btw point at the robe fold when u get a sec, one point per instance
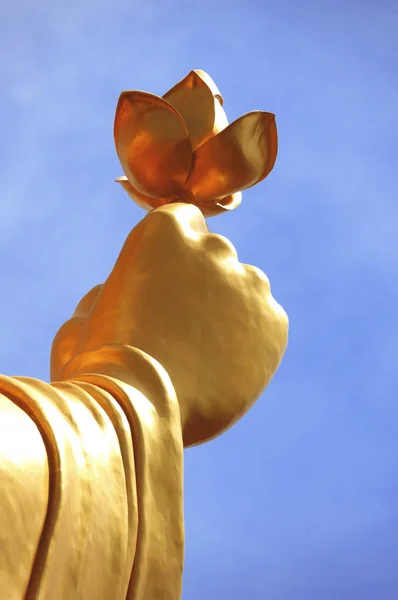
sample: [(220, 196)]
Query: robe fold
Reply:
[(91, 476)]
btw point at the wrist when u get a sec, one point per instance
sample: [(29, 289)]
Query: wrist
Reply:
[(128, 365)]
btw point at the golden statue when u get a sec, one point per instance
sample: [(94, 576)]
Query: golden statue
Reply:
[(169, 352)]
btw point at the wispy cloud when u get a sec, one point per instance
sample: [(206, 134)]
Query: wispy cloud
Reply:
[(299, 499)]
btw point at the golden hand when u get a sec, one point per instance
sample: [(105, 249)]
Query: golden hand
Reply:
[(179, 293)]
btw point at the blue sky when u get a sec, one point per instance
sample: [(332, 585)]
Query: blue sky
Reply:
[(299, 500)]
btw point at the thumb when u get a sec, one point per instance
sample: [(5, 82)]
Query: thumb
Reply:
[(66, 340)]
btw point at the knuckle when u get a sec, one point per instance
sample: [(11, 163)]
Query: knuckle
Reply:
[(260, 279)]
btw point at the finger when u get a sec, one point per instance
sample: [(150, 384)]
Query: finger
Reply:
[(163, 239), (171, 220), (87, 301), (65, 342), (64, 345), (171, 224)]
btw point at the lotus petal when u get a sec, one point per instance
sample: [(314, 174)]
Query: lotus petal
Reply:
[(152, 144), (237, 158), (217, 207), (145, 202), (199, 103)]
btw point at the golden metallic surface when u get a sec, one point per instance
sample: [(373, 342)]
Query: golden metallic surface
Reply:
[(152, 143), (24, 484), (146, 202), (173, 268), (218, 207), (170, 351), (209, 209), (252, 146), (113, 523), (180, 148), (200, 106)]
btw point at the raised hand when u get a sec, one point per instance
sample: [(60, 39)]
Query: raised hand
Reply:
[(179, 293)]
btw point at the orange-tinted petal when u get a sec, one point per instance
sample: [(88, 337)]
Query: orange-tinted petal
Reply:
[(210, 83), (237, 158), (217, 207), (152, 144), (199, 102), (220, 119), (145, 202)]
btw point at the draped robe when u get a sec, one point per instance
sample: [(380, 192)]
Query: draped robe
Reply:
[(91, 482)]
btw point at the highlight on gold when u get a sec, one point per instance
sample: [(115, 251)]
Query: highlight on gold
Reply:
[(168, 352), (180, 148)]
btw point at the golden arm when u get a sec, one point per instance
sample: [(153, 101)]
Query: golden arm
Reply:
[(108, 519)]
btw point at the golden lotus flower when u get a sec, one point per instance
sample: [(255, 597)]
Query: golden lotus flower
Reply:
[(180, 148)]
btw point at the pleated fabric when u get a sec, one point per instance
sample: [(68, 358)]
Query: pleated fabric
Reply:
[(91, 476)]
